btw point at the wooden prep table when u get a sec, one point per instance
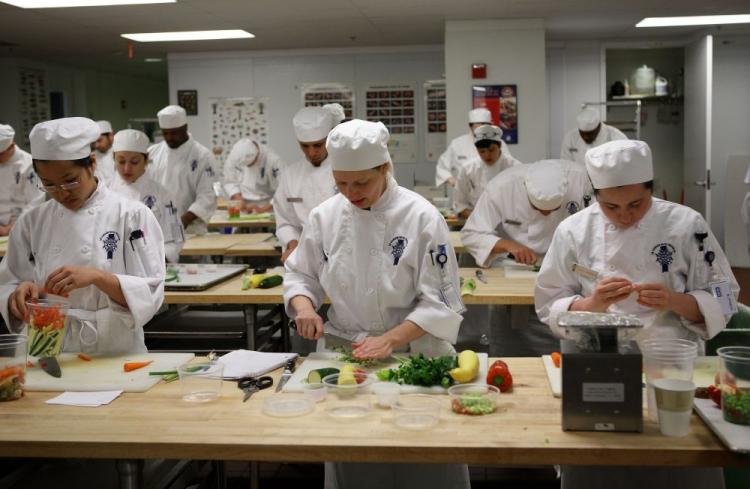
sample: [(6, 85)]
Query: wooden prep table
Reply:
[(244, 244), (158, 424)]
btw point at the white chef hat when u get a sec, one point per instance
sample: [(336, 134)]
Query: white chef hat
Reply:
[(63, 139), (104, 127), (244, 151), (171, 117), (618, 163), (588, 119), (314, 123), (546, 184), (481, 115), (6, 136), (488, 132), (130, 140), (358, 145)]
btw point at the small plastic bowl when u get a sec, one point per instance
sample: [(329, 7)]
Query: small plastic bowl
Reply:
[(347, 391), (288, 405), (387, 393), (417, 412), (315, 392), (474, 399)]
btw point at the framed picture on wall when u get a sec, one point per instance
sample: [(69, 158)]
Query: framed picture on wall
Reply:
[(188, 100), (502, 102)]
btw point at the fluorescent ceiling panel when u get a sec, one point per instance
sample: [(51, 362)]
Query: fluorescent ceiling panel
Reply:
[(78, 3), (693, 20), (188, 35)]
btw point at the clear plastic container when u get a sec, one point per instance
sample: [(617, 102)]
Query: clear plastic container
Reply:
[(12, 366), (666, 359), (349, 401), (416, 412), (386, 393), (315, 392), (735, 384), (46, 326), (288, 405), (474, 399), (201, 382)]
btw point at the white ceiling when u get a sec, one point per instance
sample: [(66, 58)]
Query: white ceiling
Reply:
[(91, 36)]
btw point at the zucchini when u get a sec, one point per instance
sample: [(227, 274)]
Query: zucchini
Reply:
[(316, 376), (271, 281)]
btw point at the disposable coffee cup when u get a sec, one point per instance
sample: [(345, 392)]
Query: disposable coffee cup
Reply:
[(674, 404)]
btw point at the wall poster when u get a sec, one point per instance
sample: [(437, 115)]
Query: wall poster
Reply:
[(34, 102), (235, 118), (188, 100), (394, 105), (502, 101), (318, 94), (434, 102)]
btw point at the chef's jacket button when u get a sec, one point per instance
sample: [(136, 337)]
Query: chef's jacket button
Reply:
[(92, 211), (612, 268), (84, 249), (611, 227), (370, 291), (373, 252)]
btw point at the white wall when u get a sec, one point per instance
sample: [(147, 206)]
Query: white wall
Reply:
[(731, 122), (279, 76), (514, 51)]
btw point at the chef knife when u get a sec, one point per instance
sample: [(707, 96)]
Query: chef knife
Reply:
[(333, 341), (288, 371), (50, 365)]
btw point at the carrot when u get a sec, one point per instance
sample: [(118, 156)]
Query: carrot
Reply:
[(84, 357), (130, 366), (10, 372), (556, 358)]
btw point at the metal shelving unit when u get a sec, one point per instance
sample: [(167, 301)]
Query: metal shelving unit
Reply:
[(627, 125)]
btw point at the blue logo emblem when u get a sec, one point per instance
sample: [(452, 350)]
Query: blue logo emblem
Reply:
[(572, 207), (663, 253), (149, 201), (109, 243), (31, 177), (398, 245), (194, 165)]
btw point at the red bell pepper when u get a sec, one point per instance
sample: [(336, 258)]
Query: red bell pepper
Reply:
[(714, 393), (499, 376)]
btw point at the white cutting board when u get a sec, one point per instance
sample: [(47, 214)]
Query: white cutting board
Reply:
[(318, 360), (736, 437), (703, 373), (104, 373)]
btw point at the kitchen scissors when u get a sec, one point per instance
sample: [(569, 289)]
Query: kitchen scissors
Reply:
[(251, 385)]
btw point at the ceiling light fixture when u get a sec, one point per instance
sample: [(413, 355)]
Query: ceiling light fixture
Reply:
[(188, 35), (153, 60), (78, 3), (693, 20)]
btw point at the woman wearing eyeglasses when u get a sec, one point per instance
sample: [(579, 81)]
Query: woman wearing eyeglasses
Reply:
[(103, 251)]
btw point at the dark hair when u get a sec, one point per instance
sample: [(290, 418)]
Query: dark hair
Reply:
[(649, 185), (84, 162), (485, 143)]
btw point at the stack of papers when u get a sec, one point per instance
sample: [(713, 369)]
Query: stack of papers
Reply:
[(85, 399), (250, 363)]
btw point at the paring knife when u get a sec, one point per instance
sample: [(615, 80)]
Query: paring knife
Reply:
[(288, 371), (480, 275), (50, 365)]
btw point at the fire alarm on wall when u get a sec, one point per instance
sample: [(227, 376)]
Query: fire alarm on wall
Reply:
[(478, 70)]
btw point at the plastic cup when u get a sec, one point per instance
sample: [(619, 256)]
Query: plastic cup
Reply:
[(386, 393), (47, 319), (12, 366), (416, 412), (674, 404), (316, 392), (666, 359), (735, 383), (201, 382)]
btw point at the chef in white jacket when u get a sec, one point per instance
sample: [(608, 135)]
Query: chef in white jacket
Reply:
[(462, 149), (104, 251), (130, 149), (382, 254), (643, 256), (105, 163), (490, 160), (308, 182), (590, 133), (183, 164), (745, 210), (19, 188), (251, 174)]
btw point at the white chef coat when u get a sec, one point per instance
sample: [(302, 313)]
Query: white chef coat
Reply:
[(458, 153), (258, 182), (660, 248), (473, 178), (504, 211), (160, 200), (574, 147), (50, 236), (19, 186), (190, 171), (380, 267), (105, 166), (302, 187)]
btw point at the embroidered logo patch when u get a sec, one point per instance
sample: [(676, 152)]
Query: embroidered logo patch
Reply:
[(109, 243), (194, 165), (663, 253), (210, 171), (398, 245), (572, 207), (149, 201)]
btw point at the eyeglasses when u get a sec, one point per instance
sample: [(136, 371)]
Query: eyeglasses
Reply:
[(52, 189)]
